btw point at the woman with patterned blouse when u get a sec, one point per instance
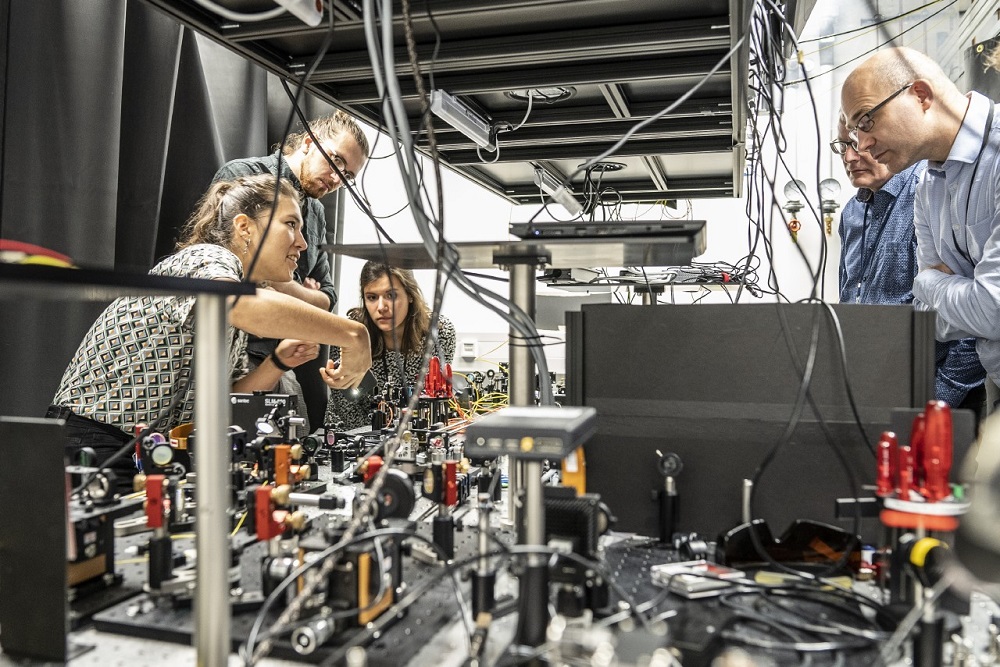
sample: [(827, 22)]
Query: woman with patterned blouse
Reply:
[(136, 360), (398, 321)]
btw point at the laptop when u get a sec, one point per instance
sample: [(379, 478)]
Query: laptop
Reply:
[(605, 229)]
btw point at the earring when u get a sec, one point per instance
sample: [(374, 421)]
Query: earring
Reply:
[(246, 248)]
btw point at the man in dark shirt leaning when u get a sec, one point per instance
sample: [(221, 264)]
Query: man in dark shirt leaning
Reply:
[(302, 163), (878, 262)]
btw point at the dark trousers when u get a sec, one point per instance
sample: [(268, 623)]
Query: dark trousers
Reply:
[(992, 397), (976, 400), (314, 390), (91, 443)]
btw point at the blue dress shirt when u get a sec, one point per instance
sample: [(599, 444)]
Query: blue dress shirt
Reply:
[(878, 264), (957, 220)]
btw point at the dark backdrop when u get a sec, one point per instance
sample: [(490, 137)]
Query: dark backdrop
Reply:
[(113, 119)]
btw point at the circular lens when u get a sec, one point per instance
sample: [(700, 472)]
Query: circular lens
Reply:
[(162, 455)]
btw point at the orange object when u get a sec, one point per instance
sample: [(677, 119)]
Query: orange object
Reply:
[(910, 520), (370, 467), (282, 464), (574, 471)]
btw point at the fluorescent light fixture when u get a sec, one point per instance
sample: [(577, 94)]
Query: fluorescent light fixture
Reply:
[(309, 12), (456, 113), (551, 186)]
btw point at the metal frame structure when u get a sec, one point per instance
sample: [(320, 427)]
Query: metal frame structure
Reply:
[(624, 60)]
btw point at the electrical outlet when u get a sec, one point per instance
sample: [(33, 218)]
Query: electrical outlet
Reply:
[(469, 349)]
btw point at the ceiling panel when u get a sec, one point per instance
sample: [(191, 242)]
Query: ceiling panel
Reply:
[(620, 61)]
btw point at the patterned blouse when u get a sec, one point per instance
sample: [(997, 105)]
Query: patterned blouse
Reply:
[(350, 414), (138, 353)]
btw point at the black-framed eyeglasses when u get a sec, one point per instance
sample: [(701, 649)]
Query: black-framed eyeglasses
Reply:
[(866, 123), (839, 146), (349, 175)]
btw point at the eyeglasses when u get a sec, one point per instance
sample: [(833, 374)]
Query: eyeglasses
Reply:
[(866, 123), (839, 146), (349, 175)]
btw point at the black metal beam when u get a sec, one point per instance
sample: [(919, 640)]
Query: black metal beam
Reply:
[(701, 112), (210, 25), (589, 133), (553, 48), (649, 197), (585, 151), (577, 74), (671, 53), (635, 188), (632, 190), (561, 114), (346, 9)]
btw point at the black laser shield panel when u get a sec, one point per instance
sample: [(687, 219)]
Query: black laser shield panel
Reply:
[(716, 385)]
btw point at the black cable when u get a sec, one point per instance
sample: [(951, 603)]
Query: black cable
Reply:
[(412, 596), (320, 558), (483, 276), (804, 391), (366, 509), (785, 438), (380, 572), (430, 341), (890, 40), (824, 246), (652, 119), (819, 596), (872, 26), (819, 279), (296, 109), (247, 273), (761, 80), (379, 131), (324, 46), (510, 311), (842, 348)]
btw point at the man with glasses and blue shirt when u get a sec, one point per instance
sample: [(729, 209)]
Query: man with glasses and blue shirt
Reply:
[(878, 262), (304, 164), (901, 108)]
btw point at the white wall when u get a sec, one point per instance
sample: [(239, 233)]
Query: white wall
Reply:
[(471, 214)]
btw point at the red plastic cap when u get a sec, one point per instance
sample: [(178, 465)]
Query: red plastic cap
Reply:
[(938, 448), (371, 467), (886, 464)]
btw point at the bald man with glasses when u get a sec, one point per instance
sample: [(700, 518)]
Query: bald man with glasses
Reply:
[(878, 262), (901, 108)]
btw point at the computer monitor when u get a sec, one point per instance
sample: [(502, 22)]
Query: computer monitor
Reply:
[(716, 385)]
